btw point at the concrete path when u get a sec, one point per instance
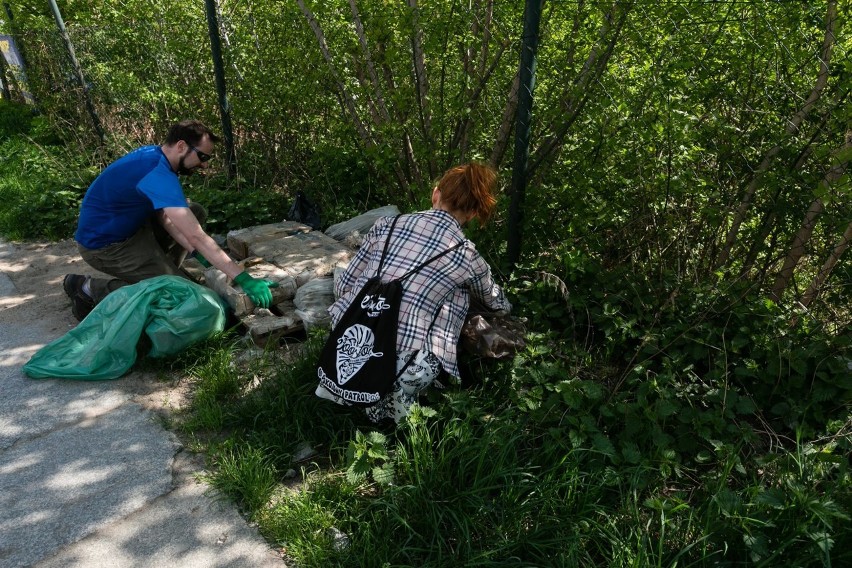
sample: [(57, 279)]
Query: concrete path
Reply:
[(88, 475)]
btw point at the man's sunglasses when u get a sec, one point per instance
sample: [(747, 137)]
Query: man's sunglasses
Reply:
[(202, 157)]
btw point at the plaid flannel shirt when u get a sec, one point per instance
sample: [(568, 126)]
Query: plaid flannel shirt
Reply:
[(439, 291)]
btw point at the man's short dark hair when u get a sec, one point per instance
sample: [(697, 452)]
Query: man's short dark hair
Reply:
[(191, 132)]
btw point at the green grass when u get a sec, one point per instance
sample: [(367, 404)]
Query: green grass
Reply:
[(243, 473), (39, 200), (477, 480)]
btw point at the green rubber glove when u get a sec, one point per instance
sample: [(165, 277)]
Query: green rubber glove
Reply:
[(257, 290), (200, 258)]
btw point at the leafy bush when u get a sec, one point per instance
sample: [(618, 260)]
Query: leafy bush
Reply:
[(230, 208), (41, 187), (15, 119), (662, 349)]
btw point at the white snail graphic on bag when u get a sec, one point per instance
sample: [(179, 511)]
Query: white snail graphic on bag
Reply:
[(354, 348), (358, 363)]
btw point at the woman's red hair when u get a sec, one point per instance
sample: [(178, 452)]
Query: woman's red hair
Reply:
[(469, 188)]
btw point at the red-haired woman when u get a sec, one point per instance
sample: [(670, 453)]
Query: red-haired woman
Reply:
[(437, 297)]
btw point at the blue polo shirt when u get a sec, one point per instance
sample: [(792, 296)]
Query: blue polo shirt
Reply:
[(125, 196)]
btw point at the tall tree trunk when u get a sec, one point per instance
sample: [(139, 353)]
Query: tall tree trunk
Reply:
[(575, 31), (792, 127), (378, 107), (368, 57), (475, 64), (347, 102), (422, 83), (838, 250), (486, 36), (501, 141), (767, 223), (463, 127), (797, 248)]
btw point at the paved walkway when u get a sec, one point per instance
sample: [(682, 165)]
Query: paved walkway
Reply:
[(88, 475)]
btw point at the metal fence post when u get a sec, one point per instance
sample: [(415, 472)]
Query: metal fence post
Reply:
[(219, 72), (78, 71), (529, 47)]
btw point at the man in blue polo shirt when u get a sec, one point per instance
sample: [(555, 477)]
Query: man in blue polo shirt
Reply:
[(135, 222)]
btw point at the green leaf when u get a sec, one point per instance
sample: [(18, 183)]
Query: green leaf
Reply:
[(358, 471), (384, 474), (603, 445), (630, 452), (666, 408), (378, 438), (773, 497), (727, 501), (745, 405)]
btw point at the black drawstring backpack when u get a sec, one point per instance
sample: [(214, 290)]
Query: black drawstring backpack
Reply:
[(358, 361)]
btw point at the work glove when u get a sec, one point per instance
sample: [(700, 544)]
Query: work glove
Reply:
[(200, 258), (257, 290)]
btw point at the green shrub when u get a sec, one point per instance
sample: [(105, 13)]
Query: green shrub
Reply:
[(41, 187), (229, 207), (15, 119)]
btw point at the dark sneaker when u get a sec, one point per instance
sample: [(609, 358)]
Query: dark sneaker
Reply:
[(81, 303)]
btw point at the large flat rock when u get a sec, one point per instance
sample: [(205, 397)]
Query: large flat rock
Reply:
[(240, 241), (305, 256)]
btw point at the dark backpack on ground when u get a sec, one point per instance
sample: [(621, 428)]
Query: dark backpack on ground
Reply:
[(304, 211), (358, 361)]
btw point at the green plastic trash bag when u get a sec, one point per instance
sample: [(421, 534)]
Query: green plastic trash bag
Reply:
[(172, 311)]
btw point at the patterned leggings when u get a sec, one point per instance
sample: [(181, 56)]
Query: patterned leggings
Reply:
[(420, 374)]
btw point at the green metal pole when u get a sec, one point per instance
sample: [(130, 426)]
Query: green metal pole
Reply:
[(219, 72), (529, 47), (78, 71)]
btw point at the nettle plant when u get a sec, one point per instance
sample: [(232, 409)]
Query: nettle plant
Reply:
[(368, 456), (639, 377)]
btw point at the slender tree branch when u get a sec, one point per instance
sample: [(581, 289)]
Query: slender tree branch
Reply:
[(346, 99), (797, 248), (463, 126), (422, 83), (371, 67), (347, 102), (501, 141), (838, 250), (578, 93), (791, 128)]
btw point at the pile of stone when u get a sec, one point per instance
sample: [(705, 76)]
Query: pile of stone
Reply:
[(303, 262)]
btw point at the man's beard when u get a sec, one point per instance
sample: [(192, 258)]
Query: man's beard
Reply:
[(182, 169)]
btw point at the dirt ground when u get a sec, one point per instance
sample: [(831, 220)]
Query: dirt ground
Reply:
[(37, 269)]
